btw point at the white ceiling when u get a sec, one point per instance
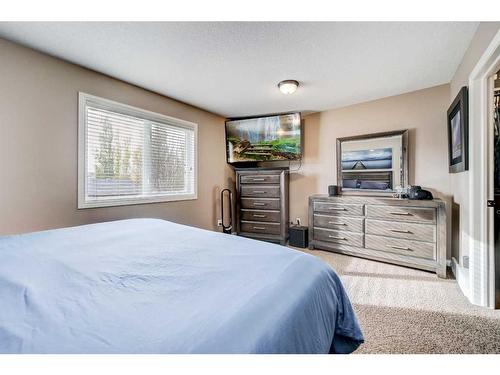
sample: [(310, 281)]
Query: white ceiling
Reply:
[(233, 68)]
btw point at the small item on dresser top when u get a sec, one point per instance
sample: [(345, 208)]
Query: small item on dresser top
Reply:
[(401, 192), (333, 190), (417, 193), (298, 236)]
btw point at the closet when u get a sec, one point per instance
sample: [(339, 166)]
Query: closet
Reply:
[(496, 150)]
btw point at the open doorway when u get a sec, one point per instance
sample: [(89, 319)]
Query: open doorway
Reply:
[(495, 121), (483, 259)]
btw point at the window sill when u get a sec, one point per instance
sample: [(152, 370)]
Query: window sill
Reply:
[(134, 201)]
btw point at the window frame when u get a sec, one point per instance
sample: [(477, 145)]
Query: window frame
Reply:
[(83, 101)]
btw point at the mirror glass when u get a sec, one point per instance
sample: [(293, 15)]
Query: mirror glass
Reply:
[(374, 163)]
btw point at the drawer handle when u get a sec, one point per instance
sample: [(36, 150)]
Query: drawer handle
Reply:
[(258, 179), (337, 208), (336, 237), (259, 204), (400, 247), (333, 222), (258, 192), (259, 228), (401, 213), (400, 231), (257, 215)]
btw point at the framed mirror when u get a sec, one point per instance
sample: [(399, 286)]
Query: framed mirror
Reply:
[(373, 164)]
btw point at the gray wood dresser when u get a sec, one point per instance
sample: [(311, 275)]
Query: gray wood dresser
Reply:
[(262, 204), (400, 231)]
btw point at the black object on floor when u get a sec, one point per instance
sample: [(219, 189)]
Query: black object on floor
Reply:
[(298, 236)]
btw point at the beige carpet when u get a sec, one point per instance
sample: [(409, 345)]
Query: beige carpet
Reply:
[(402, 310)]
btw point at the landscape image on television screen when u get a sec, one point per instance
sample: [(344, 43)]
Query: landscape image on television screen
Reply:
[(264, 139)]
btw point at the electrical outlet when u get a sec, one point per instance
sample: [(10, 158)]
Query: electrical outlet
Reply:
[(465, 261), (219, 222)]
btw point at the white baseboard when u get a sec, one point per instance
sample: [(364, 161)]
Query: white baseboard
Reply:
[(462, 276)]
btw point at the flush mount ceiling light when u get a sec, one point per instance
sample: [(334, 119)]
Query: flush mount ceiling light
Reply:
[(288, 86)]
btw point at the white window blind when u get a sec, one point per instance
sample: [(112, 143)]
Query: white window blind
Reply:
[(130, 156)]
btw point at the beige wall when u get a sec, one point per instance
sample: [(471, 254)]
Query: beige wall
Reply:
[(459, 182), (38, 145), (422, 112)]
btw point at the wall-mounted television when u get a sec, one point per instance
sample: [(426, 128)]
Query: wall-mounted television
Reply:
[(266, 138)]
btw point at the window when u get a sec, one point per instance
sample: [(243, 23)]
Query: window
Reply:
[(129, 156)]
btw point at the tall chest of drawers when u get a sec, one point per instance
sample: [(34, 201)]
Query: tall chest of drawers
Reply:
[(262, 204), (405, 232)]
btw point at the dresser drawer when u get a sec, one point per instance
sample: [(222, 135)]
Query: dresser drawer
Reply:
[(260, 179), (258, 227), (409, 231), (260, 191), (267, 204), (338, 236), (399, 246), (346, 223), (260, 215), (399, 213), (339, 209)]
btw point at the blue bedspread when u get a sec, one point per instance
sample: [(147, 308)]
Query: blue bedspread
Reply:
[(152, 286)]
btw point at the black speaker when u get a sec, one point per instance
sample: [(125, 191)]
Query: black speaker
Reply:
[(333, 190), (298, 236)]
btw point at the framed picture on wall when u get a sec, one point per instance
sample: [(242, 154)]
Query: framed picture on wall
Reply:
[(458, 133)]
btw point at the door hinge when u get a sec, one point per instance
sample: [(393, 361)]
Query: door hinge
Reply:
[(491, 203)]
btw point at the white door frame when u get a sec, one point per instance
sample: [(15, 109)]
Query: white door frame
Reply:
[(481, 165)]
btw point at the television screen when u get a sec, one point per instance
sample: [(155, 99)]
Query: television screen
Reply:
[(270, 138)]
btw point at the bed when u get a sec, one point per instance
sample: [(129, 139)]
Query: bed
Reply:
[(152, 286)]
